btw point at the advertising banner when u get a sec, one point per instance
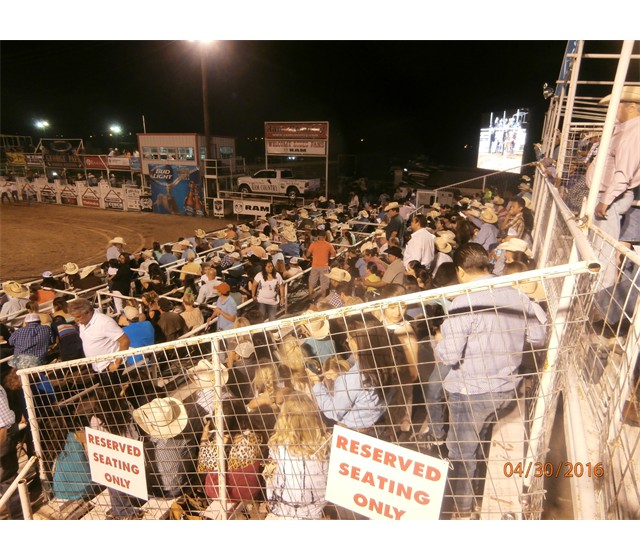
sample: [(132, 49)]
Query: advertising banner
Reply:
[(117, 462), (15, 158), (176, 189), (382, 480), (34, 160), (296, 130), (253, 207), (68, 194), (218, 208), (118, 162), (60, 153), (297, 147), (49, 194), (90, 197), (95, 162), (135, 163), (132, 199)]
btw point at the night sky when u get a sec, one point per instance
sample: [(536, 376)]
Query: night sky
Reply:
[(415, 97)]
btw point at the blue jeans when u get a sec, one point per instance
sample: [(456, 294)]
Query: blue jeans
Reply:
[(471, 419), (267, 311)]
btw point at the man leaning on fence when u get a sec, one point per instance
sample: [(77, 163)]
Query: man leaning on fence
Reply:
[(482, 340)]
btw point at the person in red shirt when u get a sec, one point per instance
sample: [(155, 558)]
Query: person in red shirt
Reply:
[(320, 251)]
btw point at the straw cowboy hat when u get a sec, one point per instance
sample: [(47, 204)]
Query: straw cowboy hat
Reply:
[(15, 289), (228, 248), (391, 206), (117, 241), (363, 214), (262, 237), (176, 248), (244, 227), (447, 234), (273, 248), (630, 94), (525, 187), (253, 240), (200, 233), (318, 328), (443, 245), (475, 204), (303, 213), (498, 200), (205, 374), (163, 418), (70, 268), (488, 216), (339, 275), (473, 212), (515, 244), (433, 214), (87, 270), (322, 199), (245, 349), (290, 235), (366, 246), (185, 243)]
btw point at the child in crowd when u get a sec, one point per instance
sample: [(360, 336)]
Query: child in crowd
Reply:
[(372, 276), (296, 477)]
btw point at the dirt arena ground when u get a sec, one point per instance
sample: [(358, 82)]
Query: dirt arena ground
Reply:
[(45, 236)]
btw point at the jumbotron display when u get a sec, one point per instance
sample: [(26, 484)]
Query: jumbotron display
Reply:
[(502, 139)]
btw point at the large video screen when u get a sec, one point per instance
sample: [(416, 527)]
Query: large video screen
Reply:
[(503, 135)]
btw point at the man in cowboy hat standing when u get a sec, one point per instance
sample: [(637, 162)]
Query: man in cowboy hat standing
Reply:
[(487, 235), (621, 176), (17, 297), (115, 248), (395, 227)]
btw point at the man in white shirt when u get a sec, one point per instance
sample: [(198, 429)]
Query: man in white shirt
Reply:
[(100, 335), (421, 246), (208, 289)]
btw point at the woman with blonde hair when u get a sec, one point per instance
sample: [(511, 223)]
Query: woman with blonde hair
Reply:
[(293, 357), (268, 387), (296, 476), (192, 315)]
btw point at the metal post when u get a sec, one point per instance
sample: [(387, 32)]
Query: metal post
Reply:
[(25, 500), (205, 98)]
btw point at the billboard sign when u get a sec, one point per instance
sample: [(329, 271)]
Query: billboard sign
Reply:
[(176, 189)]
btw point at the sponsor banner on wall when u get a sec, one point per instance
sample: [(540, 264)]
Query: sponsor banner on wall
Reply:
[(49, 194), (135, 163), (176, 189), (95, 162), (253, 207), (296, 130), (218, 208), (90, 197), (15, 158), (68, 194), (118, 162), (132, 198), (60, 153), (114, 199), (297, 147), (34, 160)]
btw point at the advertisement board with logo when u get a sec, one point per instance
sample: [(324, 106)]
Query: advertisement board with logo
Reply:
[(49, 194), (252, 207), (90, 197), (176, 189), (68, 194), (132, 198)]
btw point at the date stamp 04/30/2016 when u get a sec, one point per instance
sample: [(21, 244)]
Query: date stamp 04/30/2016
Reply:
[(565, 469)]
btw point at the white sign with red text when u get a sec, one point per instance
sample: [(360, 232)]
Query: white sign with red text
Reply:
[(381, 480), (117, 462)]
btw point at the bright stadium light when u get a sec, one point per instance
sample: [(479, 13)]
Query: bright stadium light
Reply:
[(115, 128), (42, 124)]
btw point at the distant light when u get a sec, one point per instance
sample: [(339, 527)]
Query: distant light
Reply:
[(115, 128), (361, 139), (42, 124), (54, 174), (405, 170)]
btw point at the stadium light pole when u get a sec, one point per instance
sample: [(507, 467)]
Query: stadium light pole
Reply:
[(204, 58)]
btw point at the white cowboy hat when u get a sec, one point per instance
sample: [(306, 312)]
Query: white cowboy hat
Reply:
[(205, 374), (515, 244), (498, 200), (363, 214), (15, 289), (70, 268), (488, 216), (244, 227), (443, 245), (273, 247), (366, 246), (229, 247), (87, 270), (262, 237), (185, 243), (339, 275), (318, 328), (163, 418), (630, 94), (290, 235), (200, 233), (391, 206), (117, 241), (244, 349)]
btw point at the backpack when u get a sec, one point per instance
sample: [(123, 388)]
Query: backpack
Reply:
[(71, 472)]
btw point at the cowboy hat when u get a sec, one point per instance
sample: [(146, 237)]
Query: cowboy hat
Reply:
[(244, 227), (231, 226), (262, 237), (290, 236), (322, 199), (630, 94), (366, 246), (32, 318), (488, 216), (245, 349), (200, 233), (524, 187), (395, 251), (15, 289), (163, 418), (515, 244), (339, 275), (443, 245), (498, 200), (70, 268), (229, 247), (273, 247), (318, 328), (363, 214), (185, 243), (205, 374), (87, 270), (117, 241), (391, 206), (436, 206), (176, 248)]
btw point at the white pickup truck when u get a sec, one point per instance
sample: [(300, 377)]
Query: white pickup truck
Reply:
[(277, 181)]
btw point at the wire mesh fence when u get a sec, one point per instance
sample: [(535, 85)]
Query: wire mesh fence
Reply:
[(239, 424)]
